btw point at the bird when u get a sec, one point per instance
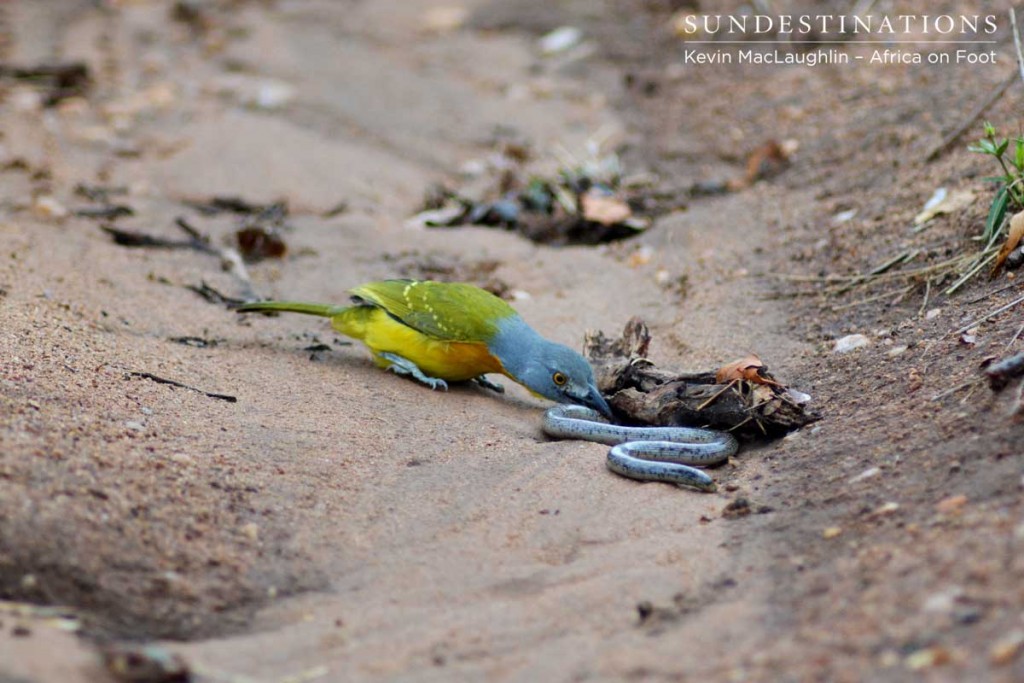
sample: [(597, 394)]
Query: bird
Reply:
[(440, 332)]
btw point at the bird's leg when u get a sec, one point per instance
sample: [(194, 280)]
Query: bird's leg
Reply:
[(404, 366), (488, 384)]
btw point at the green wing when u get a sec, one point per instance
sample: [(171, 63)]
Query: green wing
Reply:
[(450, 311)]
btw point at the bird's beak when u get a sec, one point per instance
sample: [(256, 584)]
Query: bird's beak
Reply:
[(595, 400)]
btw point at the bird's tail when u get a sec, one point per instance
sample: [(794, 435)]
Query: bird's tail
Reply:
[(325, 310)]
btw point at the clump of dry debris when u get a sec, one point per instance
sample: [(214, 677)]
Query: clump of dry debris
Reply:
[(741, 397), (587, 201)]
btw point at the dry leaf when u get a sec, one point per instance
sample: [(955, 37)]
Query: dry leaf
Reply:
[(604, 209), (750, 369), (950, 203), (1016, 232), (257, 243)]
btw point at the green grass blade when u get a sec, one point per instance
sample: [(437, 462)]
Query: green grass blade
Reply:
[(996, 213)]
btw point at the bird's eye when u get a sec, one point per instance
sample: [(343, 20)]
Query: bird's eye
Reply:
[(559, 379)]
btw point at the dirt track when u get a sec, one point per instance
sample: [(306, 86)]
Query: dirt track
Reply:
[(337, 520)]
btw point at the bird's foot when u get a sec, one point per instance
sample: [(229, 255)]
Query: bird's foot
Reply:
[(404, 366), (488, 384)]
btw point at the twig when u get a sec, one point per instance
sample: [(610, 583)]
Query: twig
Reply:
[(885, 277), (1016, 42), (952, 138), (1020, 330), (202, 671), (927, 293), (897, 260), (968, 395), (958, 387), (110, 212), (230, 260), (971, 273), (789, 277), (884, 295), (215, 296), (734, 428), (199, 240), (992, 293), (990, 314), (840, 284), (130, 238), (162, 380), (718, 393)]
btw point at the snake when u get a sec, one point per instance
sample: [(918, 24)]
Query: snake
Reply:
[(666, 454)]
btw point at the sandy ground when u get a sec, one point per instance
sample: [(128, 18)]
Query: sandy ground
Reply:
[(339, 523)]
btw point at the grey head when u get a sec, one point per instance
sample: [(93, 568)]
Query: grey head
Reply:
[(550, 370)]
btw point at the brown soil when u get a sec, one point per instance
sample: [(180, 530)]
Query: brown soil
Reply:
[(340, 522)]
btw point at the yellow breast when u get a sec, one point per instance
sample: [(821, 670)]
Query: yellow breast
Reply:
[(451, 361)]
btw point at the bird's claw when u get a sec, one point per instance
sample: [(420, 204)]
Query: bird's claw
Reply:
[(405, 367), (488, 384), (435, 383)]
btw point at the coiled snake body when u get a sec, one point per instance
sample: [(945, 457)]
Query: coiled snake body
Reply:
[(666, 454)]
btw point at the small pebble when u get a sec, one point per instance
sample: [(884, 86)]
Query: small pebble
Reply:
[(927, 658), (560, 40), (48, 207), (943, 602), (866, 474), (274, 95), (887, 509), (951, 504), (843, 216), (134, 426), (850, 342)]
